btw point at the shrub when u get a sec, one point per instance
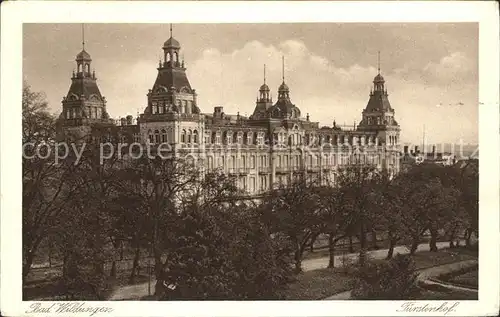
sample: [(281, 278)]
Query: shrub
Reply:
[(395, 279)]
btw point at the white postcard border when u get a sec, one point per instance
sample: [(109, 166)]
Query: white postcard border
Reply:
[(14, 14)]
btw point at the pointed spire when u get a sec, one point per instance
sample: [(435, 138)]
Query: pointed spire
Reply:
[(379, 62), (83, 37), (170, 29), (264, 74), (283, 67)]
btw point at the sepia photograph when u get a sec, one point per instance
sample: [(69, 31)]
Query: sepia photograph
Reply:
[(292, 161), (288, 161)]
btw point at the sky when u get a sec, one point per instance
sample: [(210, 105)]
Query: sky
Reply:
[(431, 69)]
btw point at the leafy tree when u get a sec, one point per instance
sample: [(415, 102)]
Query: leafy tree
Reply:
[(46, 192), (293, 210), (357, 182), (332, 216), (388, 210)]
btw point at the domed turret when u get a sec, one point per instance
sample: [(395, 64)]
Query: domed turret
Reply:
[(379, 79), (264, 87), (83, 55), (283, 87), (171, 43)]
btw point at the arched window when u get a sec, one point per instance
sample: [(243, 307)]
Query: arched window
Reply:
[(79, 68), (195, 136), (88, 68), (214, 136), (150, 137), (169, 57), (224, 137), (235, 137), (176, 57), (157, 136), (183, 136), (189, 136), (163, 136)]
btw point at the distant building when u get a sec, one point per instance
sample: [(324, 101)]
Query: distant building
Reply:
[(273, 145), (415, 157)]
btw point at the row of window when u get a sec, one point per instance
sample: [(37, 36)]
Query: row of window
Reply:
[(234, 138), (161, 136), (294, 161), (183, 106), (232, 162), (89, 112)]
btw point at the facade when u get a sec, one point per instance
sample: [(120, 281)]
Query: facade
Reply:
[(273, 145), (415, 157)]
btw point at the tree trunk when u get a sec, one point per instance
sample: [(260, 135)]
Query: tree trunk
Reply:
[(414, 245), (468, 234), (433, 241), (30, 256), (50, 253), (331, 250), (452, 237), (298, 261), (362, 245), (135, 266), (374, 240), (392, 244), (113, 269), (351, 247), (121, 250)]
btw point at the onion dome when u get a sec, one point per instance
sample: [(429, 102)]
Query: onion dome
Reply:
[(283, 87), (378, 78), (83, 55), (171, 42), (264, 87)]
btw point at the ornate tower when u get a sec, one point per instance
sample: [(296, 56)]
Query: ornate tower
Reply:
[(378, 116), (83, 105), (172, 111), (264, 100), (284, 108)]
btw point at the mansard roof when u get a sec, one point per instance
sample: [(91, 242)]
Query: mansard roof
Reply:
[(171, 77), (378, 101), (86, 87)]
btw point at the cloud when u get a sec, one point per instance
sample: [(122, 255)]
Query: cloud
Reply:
[(318, 86)]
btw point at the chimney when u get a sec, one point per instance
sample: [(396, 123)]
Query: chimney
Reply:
[(129, 120), (433, 149), (218, 112), (406, 149)]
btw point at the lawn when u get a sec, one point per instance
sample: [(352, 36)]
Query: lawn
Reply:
[(469, 279), (312, 285), (319, 284)]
